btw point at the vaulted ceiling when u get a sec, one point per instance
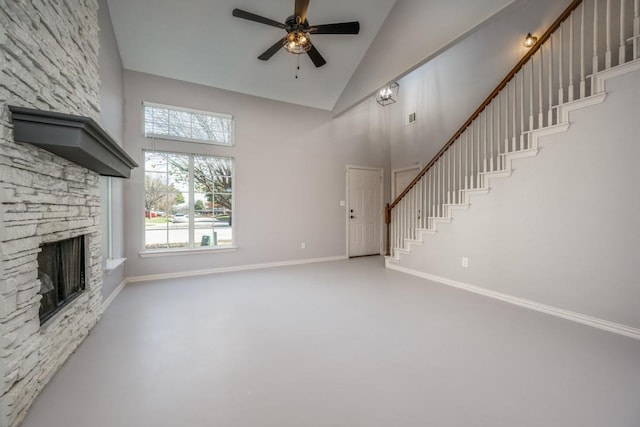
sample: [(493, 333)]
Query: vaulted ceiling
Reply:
[(200, 41)]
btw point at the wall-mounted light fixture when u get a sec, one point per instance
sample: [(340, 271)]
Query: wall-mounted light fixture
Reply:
[(388, 94), (530, 40)]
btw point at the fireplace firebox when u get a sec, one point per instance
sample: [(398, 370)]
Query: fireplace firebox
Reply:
[(61, 271)]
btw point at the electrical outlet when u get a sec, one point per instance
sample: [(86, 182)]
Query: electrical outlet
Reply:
[(303, 245), (465, 262)]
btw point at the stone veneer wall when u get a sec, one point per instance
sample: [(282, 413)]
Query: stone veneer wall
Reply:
[(48, 61)]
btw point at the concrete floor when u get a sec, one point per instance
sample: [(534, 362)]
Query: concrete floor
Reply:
[(344, 343)]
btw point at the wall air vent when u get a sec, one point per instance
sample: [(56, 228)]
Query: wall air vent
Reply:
[(411, 118)]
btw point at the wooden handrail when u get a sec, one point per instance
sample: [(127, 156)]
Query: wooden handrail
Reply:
[(534, 49), (574, 4)]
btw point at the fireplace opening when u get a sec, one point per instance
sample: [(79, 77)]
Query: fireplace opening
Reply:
[(61, 270)]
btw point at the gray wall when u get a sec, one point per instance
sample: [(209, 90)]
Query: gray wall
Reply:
[(445, 91), (112, 120), (289, 169), (402, 44), (563, 230)]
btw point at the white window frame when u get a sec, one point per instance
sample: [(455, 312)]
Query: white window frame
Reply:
[(229, 117), (153, 252)]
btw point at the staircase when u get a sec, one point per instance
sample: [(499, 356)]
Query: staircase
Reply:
[(591, 42)]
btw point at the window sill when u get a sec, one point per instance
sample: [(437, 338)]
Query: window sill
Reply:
[(113, 264), (188, 251)]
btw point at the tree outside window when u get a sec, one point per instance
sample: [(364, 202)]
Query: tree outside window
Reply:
[(188, 200)]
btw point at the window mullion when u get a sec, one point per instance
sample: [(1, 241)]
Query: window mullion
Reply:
[(191, 203)]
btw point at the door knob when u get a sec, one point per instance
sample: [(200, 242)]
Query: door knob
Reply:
[(352, 216)]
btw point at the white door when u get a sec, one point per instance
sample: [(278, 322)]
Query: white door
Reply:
[(364, 211), (400, 178)]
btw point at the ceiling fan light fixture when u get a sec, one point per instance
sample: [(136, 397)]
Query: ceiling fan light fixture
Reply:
[(297, 42)]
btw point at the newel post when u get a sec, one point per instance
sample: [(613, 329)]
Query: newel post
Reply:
[(387, 221)]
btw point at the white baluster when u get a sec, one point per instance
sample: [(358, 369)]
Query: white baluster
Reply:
[(476, 151), (458, 164), (531, 77), (540, 91), (425, 201), (472, 158), (403, 223), (570, 87), (491, 139), (607, 55), (441, 202), (595, 37), (438, 194), (498, 128), (560, 68), (636, 29), (522, 72), (399, 224), (550, 112), (484, 139), (434, 178), (583, 86), (466, 160), (479, 156), (622, 50), (514, 114), (447, 169), (506, 118), (412, 214)]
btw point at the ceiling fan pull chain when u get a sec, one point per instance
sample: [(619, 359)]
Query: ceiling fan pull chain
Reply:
[(298, 66)]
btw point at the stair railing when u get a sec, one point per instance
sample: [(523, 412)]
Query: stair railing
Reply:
[(557, 70)]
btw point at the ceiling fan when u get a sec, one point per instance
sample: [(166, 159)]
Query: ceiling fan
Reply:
[(297, 40)]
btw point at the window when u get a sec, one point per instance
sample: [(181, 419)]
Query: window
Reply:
[(188, 200), (162, 121)]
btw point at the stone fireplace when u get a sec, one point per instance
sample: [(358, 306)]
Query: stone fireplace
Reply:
[(49, 199), (50, 166)]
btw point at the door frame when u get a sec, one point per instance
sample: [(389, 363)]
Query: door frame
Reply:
[(347, 170), (393, 177)]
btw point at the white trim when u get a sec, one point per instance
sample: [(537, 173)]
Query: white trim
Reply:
[(111, 264), (156, 252), (584, 319), (348, 210), (113, 295), (601, 77), (190, 111), (231, 269), (187, 110), (153, 253), (183, 139)]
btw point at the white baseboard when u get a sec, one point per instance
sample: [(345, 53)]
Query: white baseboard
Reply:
[(230, 269), (113, 295), (532, 305)]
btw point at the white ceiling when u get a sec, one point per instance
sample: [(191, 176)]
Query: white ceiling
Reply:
[(201, 42)]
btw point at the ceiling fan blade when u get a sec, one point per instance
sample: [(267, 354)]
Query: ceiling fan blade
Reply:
[(238, 13), (300, 9), (267, 54), (339, 28), (315, 56)]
